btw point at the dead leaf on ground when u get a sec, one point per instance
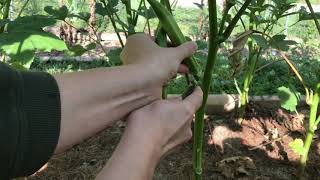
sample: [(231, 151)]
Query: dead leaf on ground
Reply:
[(235, 166)]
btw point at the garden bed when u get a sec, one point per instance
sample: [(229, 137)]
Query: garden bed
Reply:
[(259, 149)]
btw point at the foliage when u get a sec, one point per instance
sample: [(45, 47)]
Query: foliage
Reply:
[(288, 98)]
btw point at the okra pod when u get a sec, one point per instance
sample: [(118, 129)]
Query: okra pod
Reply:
[(174, 32)]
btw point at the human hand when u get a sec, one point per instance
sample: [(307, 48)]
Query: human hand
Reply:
[(164, 124), (165, 63)]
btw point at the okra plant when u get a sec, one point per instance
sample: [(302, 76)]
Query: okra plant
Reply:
[(298, 145), (218, 34), (263, 17)]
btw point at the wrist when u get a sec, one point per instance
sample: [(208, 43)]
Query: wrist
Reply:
[(144, 139), (151, 73)]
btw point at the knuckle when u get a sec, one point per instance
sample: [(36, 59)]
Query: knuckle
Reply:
[(190, 109)]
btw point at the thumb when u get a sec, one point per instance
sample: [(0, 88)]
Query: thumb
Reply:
[(195, 99), (185, 50)]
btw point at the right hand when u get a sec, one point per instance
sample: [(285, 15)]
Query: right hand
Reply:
[(165, 123)]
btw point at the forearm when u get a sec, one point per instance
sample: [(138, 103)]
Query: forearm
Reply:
[(92, 100), (135, 158)]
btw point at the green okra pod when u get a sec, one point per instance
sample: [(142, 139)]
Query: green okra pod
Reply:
[(173, 31)]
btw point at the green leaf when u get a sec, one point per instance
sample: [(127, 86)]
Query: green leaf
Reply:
[(260, 40), (279, 42), (100, 9), (36, 22), (114, 56), (21, 46), (297, 146), (288, 98), (85, 16), (18, 66), (305, 15), (202, 44), (79, 50), (60, 13)]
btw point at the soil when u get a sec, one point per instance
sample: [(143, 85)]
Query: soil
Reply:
[(258, 149)]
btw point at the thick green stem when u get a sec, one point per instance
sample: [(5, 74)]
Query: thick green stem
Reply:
[(5, 14), (161, 40), (199, 122), (249, 73), (130, 19), (313, 124), (313, 14)]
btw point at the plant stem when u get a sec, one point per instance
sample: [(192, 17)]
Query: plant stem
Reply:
[(249, 73), (313, 14), (5, 13), (312, 127), (199, 121), (112, 22), (23, 7), (235, 20), (161, 40)]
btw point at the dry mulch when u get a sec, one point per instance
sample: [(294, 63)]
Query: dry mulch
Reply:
[(259, 150)]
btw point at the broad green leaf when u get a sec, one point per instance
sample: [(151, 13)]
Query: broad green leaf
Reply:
[(85, 16), (100, 9), (288, 99), (297, 146), (18, 66), (60, 13), (79, 50), (36, 22), (279, 42), (260, 40), (305, 15), (21, 46), (114, 56)]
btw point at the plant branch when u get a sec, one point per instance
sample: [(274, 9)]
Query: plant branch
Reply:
[(23, 7), (5, 13), (212, 56), (235, 20), (313, 14), (112, 22)]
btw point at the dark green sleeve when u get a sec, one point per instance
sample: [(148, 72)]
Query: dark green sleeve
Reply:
[(29, 121)]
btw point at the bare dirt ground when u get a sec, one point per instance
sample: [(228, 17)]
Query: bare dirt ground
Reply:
[(257, 150)]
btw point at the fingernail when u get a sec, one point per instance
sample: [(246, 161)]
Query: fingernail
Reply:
[(193, 45)]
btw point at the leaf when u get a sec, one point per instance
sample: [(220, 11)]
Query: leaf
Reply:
[(279, 42), (297, 146), (60, 13), (21, 46), (260, 40), (146, 13), (305, 15), (85, 16), (100, 9), (288, 99), (79, 50), (202, 44), (114, 56), (113, 3), (18, 66), (36, 22)]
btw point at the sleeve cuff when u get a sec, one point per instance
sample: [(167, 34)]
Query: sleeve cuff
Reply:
[(40, 121)]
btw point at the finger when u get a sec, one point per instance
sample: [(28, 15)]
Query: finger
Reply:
[(184, 51), (195, 99), (183, 69), (175, 99)]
